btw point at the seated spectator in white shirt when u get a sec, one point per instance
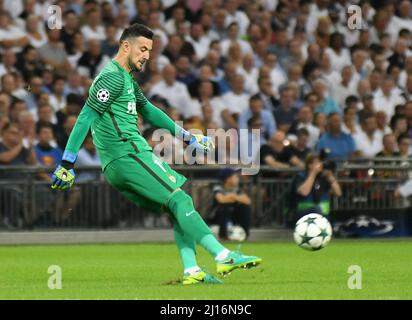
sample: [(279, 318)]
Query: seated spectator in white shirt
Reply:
[(36, 35), (382, 123), (369, 140), (350, 120), (250, 73), (178, 16), (233, 37), (206, 96), (343, 89), (11, 36), (234, 14), (236, 100), (337, 52), (176, 93), (199, 40), (305, 119), (8, 62), (93, 28), (57, 99), (387, 97), (88, 156), (277, 74)]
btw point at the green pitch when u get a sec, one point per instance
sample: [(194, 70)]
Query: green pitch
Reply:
[(143, 271)]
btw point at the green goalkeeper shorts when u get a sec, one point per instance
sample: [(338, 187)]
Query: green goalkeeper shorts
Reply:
[(144, 179)]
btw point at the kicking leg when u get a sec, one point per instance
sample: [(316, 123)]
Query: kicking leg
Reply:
[(193, 274), (181, 206)]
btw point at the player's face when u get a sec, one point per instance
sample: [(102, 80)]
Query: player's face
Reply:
[(139, 52)]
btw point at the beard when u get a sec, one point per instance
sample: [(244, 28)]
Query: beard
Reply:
[(133, 66)]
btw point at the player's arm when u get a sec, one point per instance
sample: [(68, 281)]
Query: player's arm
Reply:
[(159, 119), (104, 90)]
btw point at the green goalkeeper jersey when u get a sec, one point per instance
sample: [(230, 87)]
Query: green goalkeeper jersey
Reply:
[(116, 96)]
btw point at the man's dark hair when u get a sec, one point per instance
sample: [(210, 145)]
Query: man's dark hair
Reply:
[(255, 97), (351, 99), (302, 132), (136, 30), (402, 137), (44, 126)]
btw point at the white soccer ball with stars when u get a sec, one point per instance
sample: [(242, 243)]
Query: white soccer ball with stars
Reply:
[(312, 232)]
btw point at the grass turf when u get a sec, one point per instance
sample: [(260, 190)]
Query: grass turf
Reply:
[(141, 271)]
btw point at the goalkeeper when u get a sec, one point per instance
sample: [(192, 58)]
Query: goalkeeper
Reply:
[(128, 164)]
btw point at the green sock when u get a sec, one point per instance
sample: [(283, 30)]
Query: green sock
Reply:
[(186, 246), (192, 224)]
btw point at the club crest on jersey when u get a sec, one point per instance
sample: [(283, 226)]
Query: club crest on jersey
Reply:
[(103, 95)]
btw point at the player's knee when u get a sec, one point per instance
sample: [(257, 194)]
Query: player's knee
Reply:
[(180, 198)]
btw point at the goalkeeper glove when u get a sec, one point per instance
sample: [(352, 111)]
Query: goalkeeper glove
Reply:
[(63, 176), (198, 141)]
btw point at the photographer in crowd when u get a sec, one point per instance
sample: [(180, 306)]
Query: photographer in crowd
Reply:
[(311, 189)]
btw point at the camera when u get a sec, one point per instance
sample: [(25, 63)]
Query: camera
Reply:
[(327, 164)]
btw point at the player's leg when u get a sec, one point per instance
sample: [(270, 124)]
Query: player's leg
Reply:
[(152, 179), (192, 274), (181, 205)]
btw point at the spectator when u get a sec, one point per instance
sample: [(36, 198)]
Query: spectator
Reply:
[(399, 125), (207, 97), (46, 154), (32, 97), (387, 97), (28, 64), (93, 60), (234, 39), (11, 36), (63, 135), (110, 45), (5, 103), (369, 139), (266, 93), (88, 157), (36, 37), (344, 88), (277, 154), (350, 122), (285, 113), (176, 93), (236, 100), (231, 204), (57, 99), (300, 149), (326, 103), (389, 147), (311, 189), (305, 119), (368, 106), (268, 127), (52, 53), (70, 28), (93, 29), (341, 145), (404, 144), (8, 62)]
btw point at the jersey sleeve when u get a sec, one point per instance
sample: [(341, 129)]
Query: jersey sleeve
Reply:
[(105, 89)]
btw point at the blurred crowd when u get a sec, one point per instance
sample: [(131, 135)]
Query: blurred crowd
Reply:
[(293, 69)]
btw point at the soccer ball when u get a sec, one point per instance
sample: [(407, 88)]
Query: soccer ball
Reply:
[(312, 232)]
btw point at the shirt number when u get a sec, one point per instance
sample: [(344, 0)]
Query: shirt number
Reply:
[(131, 108)]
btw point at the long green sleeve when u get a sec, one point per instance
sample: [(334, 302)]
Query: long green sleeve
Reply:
[(81, 129), (159, 119)]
